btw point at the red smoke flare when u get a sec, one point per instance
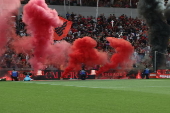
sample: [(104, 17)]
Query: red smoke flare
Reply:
[(57, 55), (124, 50), (8, 8), (40, 21), (22, 44), (83, 51)]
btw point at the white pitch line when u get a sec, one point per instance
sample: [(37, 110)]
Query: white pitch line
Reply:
[(157, 86), (153, 80), (94, 87), (55, 84), (81, 86), (101, 87), (42, 83), (66, 85), (88, 86)]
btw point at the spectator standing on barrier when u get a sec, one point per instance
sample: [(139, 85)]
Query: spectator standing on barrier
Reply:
[(14, 75), (146, 73)]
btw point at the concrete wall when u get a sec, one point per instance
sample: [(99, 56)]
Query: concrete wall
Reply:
[(91, 11)]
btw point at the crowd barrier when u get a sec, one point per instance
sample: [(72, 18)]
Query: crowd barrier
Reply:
[(161, 73), (56, 74)]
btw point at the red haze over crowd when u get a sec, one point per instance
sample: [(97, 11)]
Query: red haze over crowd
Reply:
[(40, 22), (121, 58), (84, 52), (8, 8)]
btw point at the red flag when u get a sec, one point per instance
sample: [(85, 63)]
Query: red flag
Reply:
[(61, 32)]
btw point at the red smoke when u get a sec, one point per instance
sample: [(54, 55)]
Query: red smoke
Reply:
[(83, 51), (40, 21), (57, 54), (22, 44), (8, 8), (124, 50)]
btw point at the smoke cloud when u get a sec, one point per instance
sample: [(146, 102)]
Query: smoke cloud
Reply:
[(122, 57), (58, 53), (21, 44), (167, 12), (40, 21), (8, 8), (159, 30), (84, 52)]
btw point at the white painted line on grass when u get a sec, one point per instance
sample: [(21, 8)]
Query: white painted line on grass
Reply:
[(55, 84), (99, 87), (81, 86)]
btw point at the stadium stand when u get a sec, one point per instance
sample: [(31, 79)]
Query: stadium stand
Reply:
[(93, 3), (133, 30)]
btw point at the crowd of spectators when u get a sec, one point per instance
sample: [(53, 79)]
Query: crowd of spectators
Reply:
[(93, 3), (133, 30)]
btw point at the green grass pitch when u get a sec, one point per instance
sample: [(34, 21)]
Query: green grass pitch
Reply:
[(89, 96)]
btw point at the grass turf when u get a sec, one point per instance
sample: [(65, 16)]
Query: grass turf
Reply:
[(89, 96)]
